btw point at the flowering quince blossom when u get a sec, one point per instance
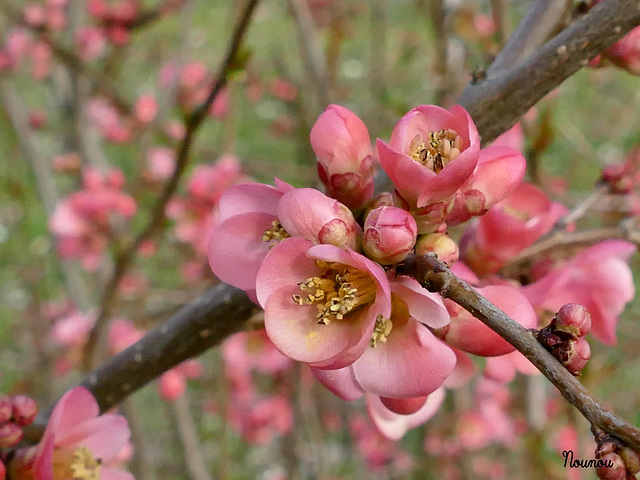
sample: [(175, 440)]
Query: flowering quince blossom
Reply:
[(321, 302), (342, 146), (404, 359), (598, 278), (431, 154), (77, 443), (508, 228)]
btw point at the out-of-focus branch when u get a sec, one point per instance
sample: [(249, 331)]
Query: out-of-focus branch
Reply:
[(44, 181), (500, 18), (438, 19), (158, 214), (498, 102), (623, 231), (205, 322), (189, 439), (435, 276), (539, 23)]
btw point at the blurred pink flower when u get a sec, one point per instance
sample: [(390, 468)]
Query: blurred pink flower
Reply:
[(508, 228), (78, 441), (72, 330), (146, 108), (247, 351), (598, 277), (342, 146)]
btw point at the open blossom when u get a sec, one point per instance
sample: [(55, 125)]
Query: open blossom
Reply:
[(79, 442), (431, 154), (321, 302), (342, 146), (404, 359), (509, 227), (598, 278)]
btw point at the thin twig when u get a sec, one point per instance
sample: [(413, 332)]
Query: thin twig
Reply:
[(189, 438), (435, 276), (498, 102), (158, 214), (500, 19), (438, 17)]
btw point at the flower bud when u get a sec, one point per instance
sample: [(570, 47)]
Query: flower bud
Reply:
[(572, 319), (6, 409), (342, 145), (574, 354), (631, 459), (383, 199), (25, 410), (3, 471), (439, 243), (389, 235), (10, 435), (616, 472)]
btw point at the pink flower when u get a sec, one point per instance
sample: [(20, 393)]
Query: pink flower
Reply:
[(404, 360), (146, 108), (471, 335), (72, 330), (78, 441), (389, 235), (343, 147), (598, 278), (508, 228), (248, 216), (246, 351), (499, 171), (321, 302), (431, 155), (625, 53), (122, 334), (393, 425)]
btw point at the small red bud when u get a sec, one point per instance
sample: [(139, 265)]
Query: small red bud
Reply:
[(25, 410), (572, 319), (3, 471), (576, 355), (10, 435), (616, 472), (441, 244), (6, 409)]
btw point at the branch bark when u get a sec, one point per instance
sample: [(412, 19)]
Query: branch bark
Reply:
[(435, 276), (498, 102)]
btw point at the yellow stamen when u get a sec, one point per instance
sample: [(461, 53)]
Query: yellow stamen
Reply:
[(275, 234), (338, 291), (442, 147), (79, 464), (381, 331)]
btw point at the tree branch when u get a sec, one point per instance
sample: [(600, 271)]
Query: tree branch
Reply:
[(435, 276), (158, 214), (497, 103)]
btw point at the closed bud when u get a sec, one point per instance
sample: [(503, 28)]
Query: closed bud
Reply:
[(572, 319), (384, 199), (10, 435), (439, 243), (6, 409), (574, 354), (631, 459), (389, 235), (25, 410), (617, 470)]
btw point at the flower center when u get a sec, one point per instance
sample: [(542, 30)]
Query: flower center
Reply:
[(441, 148), (79, 464), (275, 234), (381, 331), (339, 290)]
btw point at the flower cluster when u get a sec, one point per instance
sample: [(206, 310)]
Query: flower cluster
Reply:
[(322, 266)]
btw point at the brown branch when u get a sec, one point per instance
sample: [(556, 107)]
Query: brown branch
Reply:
[(158, 214), (497, 103), (436, 277), (560, 240), (202, 324), (536, 27)]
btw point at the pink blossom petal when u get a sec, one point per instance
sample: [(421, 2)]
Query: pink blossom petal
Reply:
[(392, 425), (340, 382), (424, 306), (462, 373), (412, 363), (104, 435), (285, 264), (406, 174), (236, 249), (74, 407), (248, 198)]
